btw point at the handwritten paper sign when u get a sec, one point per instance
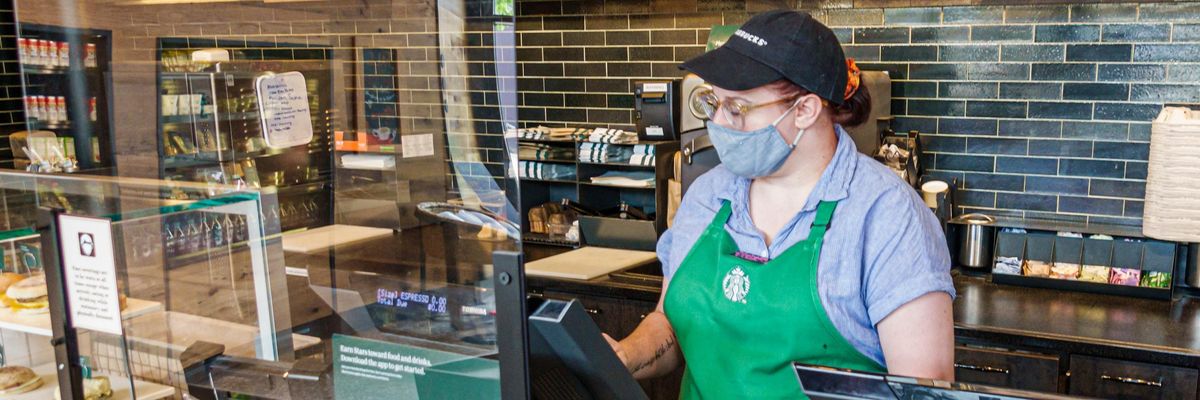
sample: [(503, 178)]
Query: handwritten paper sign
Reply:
[(417, 145), (90, 269), (283, 108)]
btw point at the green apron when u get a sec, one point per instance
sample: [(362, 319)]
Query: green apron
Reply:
[(741, 324)]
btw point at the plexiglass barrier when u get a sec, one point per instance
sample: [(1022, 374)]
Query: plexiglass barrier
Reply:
[(372, 135), (186, 273)]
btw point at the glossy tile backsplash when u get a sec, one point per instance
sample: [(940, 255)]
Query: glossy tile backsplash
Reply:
[(1039, 110)]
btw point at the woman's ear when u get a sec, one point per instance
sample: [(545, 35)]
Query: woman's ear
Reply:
[(808, 110)]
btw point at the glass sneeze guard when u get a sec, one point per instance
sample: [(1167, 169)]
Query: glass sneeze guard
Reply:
[(222, 291), (377, 235)]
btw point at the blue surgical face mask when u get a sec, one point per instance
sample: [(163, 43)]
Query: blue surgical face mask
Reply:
[(752, 154)]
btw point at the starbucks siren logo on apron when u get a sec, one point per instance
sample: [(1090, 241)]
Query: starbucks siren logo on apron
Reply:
[(736, 285), (763, 337)]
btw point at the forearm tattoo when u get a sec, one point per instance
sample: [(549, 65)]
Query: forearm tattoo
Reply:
[(658, 354)]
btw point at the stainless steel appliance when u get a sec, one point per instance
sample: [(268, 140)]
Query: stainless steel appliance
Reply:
[(976, 232), (690, 116), (867, 136), (696, 151)]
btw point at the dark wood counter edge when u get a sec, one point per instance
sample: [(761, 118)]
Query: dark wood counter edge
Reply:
[(649, 291), (600, 286), (1050, 343)]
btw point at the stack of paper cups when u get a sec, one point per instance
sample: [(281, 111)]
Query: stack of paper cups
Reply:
[(1172, 208)]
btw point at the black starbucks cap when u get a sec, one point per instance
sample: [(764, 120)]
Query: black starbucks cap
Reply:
[(774, 45)]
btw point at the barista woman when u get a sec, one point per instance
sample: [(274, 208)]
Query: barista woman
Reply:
[(796, 248)]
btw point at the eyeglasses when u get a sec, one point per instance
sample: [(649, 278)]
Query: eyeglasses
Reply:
[(705, 104)]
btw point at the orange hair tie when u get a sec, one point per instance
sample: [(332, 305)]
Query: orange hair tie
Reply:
[(853, 80)]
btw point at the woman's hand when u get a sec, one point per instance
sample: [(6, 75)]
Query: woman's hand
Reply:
[(617, 348)]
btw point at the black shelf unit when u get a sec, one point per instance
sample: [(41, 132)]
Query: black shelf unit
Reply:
[(77, 84), (600, 197)]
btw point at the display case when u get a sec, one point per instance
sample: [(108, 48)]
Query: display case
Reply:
[(67, 99), (223, 296), (210, 125)]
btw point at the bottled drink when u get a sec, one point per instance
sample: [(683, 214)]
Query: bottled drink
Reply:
[(218, 232), (169, 237), (90, 58), (195, 239)]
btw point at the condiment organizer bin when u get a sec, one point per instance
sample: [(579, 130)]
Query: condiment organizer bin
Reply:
[(1150, 262)]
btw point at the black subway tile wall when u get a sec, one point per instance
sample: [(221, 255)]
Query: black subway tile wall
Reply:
[(12, 103), (1041, 110)]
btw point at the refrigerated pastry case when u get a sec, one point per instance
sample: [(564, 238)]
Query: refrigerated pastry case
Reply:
[(225, 295)]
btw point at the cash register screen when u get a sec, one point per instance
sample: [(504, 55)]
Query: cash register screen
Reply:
[(821, 383)]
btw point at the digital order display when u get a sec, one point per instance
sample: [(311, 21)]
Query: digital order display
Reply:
[(411, 300)]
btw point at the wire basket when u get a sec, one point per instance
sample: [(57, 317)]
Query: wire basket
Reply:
[(148, 361)]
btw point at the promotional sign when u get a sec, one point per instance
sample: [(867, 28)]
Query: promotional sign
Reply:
[(372, 369), (283, 107), (719, 34), (89, 267)]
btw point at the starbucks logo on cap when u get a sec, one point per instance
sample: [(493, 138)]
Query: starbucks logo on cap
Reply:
[(736, 285)]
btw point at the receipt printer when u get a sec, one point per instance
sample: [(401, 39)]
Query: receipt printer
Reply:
[(656, 109)]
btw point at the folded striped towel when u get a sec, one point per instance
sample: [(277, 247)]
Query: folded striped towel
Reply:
[(628, 179), (538, 151), (593, 152), (604, 153), (615, 136), (540, 170), (642, 159), (567, 133), (530, 134)]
